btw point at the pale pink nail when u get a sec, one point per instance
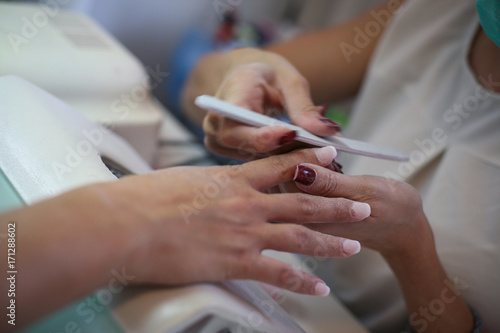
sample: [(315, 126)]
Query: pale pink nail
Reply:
[(321, 289), (351, 247), (326, 155), (360, 210)]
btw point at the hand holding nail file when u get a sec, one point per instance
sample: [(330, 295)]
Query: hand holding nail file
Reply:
[(259, 120)]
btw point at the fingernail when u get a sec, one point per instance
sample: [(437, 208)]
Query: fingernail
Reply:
[(322, 109), (331, 123), (337, 167), (360, 210), (321, 289), (287, 138), (350, 247), (326, 155), (304, 175)]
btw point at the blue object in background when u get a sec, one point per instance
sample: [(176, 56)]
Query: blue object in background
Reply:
[(194, 45), (189, 50)]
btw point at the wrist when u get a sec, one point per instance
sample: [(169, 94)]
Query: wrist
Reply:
[(121, 224), (418, 244)]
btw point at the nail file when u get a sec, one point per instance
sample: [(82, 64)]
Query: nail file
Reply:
[(259, 120)]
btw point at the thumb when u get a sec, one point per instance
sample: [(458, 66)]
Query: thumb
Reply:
[(301, 109)]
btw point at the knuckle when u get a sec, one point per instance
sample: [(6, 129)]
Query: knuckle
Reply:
[(300, 238), (290, 279), (244, 263), (227, 139), (376, 187), (327, 185), (306, 206), (299, 82)]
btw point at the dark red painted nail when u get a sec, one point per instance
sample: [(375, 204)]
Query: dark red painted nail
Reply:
[(304, 175), (287, 138), (322, 109), (331, 123), (337, 167), (334, 166)]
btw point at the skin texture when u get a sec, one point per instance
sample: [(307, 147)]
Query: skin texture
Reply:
[(170, 227), (263, 81)]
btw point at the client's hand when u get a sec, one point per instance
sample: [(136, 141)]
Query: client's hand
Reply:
[(397, 224)]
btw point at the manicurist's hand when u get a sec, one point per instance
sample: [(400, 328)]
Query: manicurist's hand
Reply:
[(175, 226), (268, 85), (211, 224), (292, 77)]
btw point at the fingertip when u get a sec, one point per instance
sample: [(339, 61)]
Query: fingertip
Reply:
[(287, 138), (351, 247), (326, 155), (360, 210), (331, 124), (321, 289)]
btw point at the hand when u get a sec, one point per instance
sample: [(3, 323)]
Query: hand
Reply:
[(266, 83), (211, 224), (397, 223)]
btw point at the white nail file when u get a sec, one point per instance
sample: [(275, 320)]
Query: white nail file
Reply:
[(259, 120)]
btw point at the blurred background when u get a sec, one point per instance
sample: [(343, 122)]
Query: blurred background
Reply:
[(174, 34)]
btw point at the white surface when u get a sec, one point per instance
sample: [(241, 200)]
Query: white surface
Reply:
[(47, 148), (70, 56), (256, 119), (313, 313), (179, 146)]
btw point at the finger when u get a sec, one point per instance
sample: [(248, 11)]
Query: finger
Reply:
[(299, 239), (233, 134), (274, 170), (301, 110), (283, 275), (320, 181), (247, 139), (212, 144), (305, 208), (211, 124)]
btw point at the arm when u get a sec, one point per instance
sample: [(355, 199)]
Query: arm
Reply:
[(70, 245), (328, 59), (403, 237)]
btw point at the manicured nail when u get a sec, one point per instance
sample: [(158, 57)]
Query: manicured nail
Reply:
[(287, 138), (321, 289), (350, 247), (304, 175), (326, 155), (360, 210), (331, 123), (322, 109)]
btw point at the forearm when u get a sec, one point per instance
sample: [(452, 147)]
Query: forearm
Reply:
[(333, 60), (432, 298), (63, 252)]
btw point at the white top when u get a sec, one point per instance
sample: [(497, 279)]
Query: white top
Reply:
[(421, 96)]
